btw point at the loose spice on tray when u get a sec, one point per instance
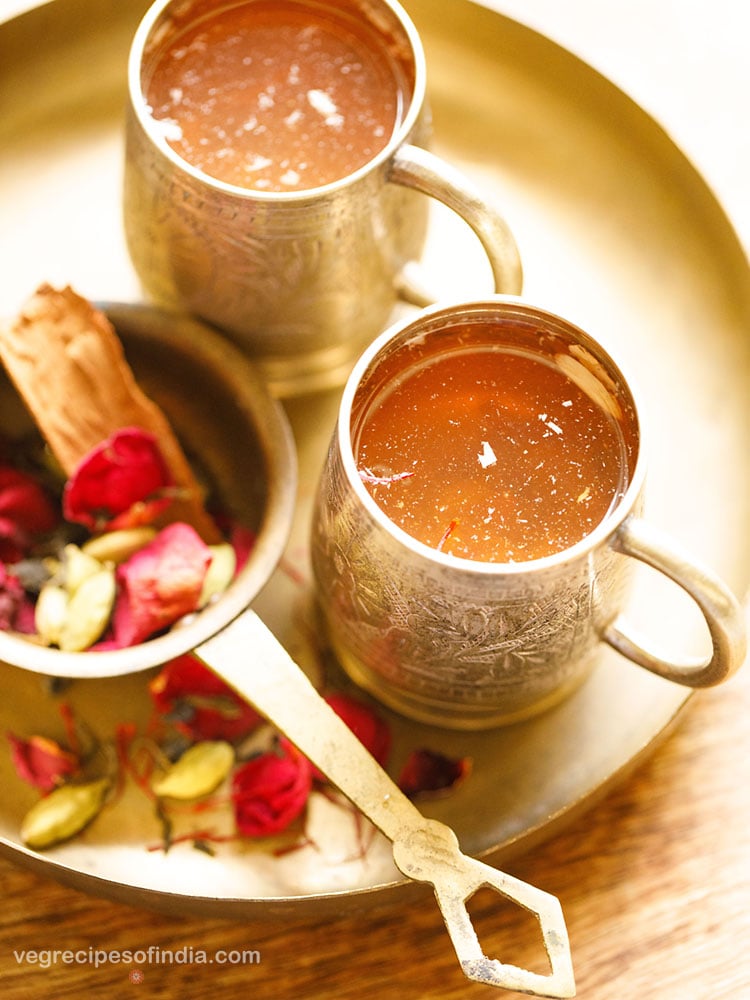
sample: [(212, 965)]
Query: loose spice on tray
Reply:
[(193, 755)]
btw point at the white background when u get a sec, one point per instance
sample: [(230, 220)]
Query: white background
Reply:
[(687, 62)]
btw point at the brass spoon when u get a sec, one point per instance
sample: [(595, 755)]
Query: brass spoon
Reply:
[(424, 849)]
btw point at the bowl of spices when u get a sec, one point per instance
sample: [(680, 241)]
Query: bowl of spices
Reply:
[(155, 480)]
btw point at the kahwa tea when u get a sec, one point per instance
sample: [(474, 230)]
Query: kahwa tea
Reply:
[(276, 96), (493, 452), (479, 516)]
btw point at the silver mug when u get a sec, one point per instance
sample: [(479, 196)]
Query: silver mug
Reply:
[(468, 644), (303, 280)]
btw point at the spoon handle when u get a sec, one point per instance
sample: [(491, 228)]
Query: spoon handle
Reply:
[(250, 659)]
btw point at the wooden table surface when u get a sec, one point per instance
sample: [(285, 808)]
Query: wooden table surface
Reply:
[(654, 881)]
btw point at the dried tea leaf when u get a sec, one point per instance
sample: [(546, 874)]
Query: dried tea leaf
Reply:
[(220, 572), (33, 574), (117, 546), (200, 770), (63, 813), (89, 611), (50, 613)]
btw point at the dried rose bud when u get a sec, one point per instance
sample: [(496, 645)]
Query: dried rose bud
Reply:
[(203, 706), (122, 482), (243, 541), (159, 584), (25, 513), (427, 772), (41, 762), (367, 725), (271, 790), (12, 600)]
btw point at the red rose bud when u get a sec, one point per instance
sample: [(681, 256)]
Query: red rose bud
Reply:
[(120, 483), (369, 728), (428, 772), (12, 599), (203, 705), (25, 512), (159, 584), (41, 762), (271, 790)]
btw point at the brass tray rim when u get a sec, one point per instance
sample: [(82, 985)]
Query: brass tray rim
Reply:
[(160, 898)]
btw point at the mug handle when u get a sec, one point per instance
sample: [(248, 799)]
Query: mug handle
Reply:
[(721, 610), (417, 168)]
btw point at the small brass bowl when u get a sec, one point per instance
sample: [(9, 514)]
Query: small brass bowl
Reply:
[(226, 419)]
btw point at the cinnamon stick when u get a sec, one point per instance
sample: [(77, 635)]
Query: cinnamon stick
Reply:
[(68, 365)]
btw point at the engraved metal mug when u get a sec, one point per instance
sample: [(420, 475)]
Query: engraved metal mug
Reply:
[(302, 281), (468, 644)]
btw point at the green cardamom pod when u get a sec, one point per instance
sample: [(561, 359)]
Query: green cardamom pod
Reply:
[(78, 566), (200, 770), (117, 546), (50, 612), (63, 813), (88, 612), (219, 574)]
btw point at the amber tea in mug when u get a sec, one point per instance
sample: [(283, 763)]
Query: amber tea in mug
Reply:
[(277, 95), (492, 451), (482, 491), (272, 155)]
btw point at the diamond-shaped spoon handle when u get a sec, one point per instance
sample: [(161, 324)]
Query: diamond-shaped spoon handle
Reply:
[(431, 854), (255, 664)]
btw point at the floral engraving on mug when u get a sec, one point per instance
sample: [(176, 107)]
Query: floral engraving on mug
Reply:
[(518, 643), (218, 257)]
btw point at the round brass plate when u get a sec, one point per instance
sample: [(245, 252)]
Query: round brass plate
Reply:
[(616, 230)]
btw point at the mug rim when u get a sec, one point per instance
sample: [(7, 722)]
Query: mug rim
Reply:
[(486, 306), (138, 105)]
